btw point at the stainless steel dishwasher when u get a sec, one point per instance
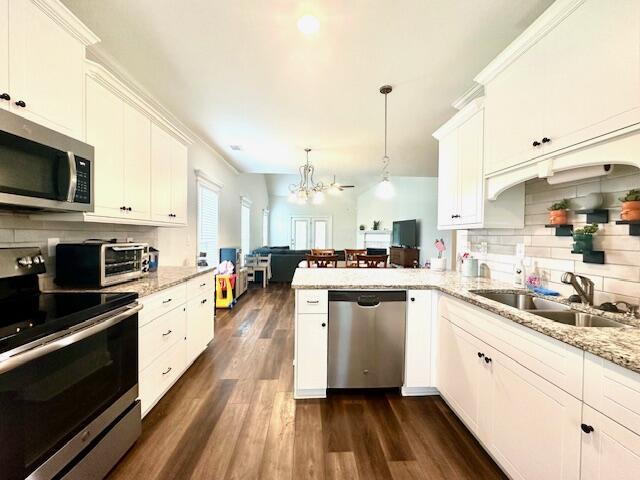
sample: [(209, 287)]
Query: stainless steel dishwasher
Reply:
[(366, 338)]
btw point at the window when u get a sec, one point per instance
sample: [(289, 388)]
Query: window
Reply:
[(265, 227), (208, 225), (245, 227), (310, 232)]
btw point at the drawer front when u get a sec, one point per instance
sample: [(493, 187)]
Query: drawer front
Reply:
[(201, 285), (312, 301), (158, 377), (162, 302), (557, 362), (159, 335), (613, 391)]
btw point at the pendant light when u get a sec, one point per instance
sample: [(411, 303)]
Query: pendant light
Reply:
[(385, 189)]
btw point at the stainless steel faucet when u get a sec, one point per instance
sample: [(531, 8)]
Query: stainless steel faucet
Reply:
[(584, 288)]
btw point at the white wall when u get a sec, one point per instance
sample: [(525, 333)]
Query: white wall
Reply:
[(178, 245), (415, 198), (341, 209)]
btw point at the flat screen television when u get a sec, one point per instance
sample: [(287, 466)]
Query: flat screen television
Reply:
[(405, 234)]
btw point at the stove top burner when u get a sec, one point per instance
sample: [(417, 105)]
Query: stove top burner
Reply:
[(28, 317)]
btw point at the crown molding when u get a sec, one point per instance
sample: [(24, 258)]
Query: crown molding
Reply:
[(546, 22), (212, 183), (110, 65), (472, 93), (473, 107), (55, 10)]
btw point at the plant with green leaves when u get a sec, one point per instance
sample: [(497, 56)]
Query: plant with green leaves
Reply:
[(561, 205), (376, 224), (632, 195), (587, 229)]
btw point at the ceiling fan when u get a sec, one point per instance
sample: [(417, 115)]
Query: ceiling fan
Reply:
[(335, 186)]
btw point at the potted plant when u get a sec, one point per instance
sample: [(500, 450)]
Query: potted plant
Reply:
[(376, 224), (558, 212), (362, 227), (583, 238), (631, 205)]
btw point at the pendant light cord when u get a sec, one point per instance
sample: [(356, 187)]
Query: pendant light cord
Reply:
[(385, 126)]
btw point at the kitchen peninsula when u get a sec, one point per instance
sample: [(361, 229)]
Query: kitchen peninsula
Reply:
[(491, 362)]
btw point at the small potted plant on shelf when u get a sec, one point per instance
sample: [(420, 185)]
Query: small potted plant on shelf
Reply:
[(631, 205), (362, 227), (583, 238), (376, 224), (558, 212)]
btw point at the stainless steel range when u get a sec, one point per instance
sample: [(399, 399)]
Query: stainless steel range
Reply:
[(68, 376)]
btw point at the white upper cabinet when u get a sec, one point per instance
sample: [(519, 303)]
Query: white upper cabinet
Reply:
[(105, 133), (5, 97), (169, 177), (46, 64), (179, 182), (137, 163), (461, 201), (573, 76)]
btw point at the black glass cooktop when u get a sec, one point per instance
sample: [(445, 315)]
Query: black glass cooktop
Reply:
[(31, 316)]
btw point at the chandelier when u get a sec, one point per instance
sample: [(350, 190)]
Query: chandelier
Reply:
[(307, 188)]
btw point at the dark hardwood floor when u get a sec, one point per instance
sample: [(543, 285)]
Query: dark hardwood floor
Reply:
[(232, 416)]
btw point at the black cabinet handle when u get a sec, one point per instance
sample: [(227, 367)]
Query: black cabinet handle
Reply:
[(167, 301), (586, 428), (455, 216), (20, 103), (203, 301), (123, 208), (128, 209), (168, 332), (5, 96), (324, 324), (480, 354), (487, 359), (546, 140), (166, 371), (413, 299), (536, 143)]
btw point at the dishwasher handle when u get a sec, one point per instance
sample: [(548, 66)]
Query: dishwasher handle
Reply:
[(368, 301)]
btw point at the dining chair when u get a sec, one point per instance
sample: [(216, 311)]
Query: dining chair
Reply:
[(322, 261), (350, 256), (372, 261), (323, 251)]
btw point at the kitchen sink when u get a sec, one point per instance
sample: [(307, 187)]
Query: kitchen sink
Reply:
[(557, 312), (579, 319), (522, 301)]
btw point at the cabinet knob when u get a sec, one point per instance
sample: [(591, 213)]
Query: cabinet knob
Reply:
[(413, 299), (128, 209), (487, 359), (20, 103), (455, 216), (123, 208), (586, 428), (480, 354), (536, 143), (546, 140), (203, 301), (324, 324), (5, 96)]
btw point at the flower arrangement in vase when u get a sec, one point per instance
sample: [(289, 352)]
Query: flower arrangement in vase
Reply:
[(631, 205), (558, 212), (439, 264), (583, 238)]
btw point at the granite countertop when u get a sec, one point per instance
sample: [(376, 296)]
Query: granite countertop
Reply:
[(165, 277), (618, 345)]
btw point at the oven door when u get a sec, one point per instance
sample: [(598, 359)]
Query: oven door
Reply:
[(123, 262), (54, 398), (42, 169)]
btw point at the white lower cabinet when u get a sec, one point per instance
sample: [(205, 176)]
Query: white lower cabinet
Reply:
[(199, 325), (530, 426), (609, 451), (173, 331), (311, 355), (418, 351)]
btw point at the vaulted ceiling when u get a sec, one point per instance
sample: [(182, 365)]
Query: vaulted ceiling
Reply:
[(239, 72)]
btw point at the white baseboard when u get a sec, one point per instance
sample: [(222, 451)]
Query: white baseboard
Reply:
[(419, 391), (310, 393)]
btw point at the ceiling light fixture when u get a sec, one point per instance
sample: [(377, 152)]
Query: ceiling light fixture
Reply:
[(308, 24), (307, 189), (385, 188)]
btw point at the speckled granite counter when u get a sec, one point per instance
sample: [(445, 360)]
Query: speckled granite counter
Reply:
[(165, 277), (618, 345)]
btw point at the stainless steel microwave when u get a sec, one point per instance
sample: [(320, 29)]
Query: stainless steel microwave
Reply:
[(41, 169)]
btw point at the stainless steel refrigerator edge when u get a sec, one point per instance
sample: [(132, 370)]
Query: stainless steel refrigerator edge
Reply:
[(366, 339)]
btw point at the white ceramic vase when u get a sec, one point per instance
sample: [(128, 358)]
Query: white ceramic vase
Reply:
[(438, 264)]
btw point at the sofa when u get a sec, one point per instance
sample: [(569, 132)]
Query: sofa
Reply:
[(284, 261)]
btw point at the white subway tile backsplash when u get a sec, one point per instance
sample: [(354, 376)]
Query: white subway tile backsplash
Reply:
[(617, 279)]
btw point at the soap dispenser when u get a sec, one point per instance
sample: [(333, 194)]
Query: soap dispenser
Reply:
[(518, 273)]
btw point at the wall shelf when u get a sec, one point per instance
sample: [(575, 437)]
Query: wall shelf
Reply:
[(597, 215), (594, 256), (564, 230), (634, 226)]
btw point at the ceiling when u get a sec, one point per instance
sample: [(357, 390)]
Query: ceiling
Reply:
[(241, 73)]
